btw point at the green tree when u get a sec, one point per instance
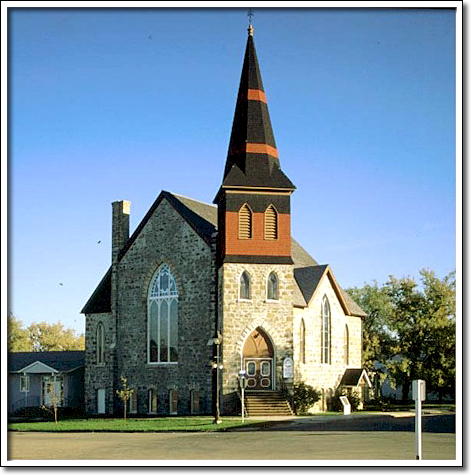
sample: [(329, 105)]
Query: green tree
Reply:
[(17, 336), (410, 329), (54, 337), (377, 337), (124, 393), (423, 321)]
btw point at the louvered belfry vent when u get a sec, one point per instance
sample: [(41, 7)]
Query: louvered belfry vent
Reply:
[(271, 223), (245, 222)]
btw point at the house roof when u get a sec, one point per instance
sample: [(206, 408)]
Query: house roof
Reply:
[(61, 361), (353, 377), (202, 217)]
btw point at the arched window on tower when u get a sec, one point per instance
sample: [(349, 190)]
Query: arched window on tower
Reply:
[(272, 287), (244, 286), (245, 222), (100, 344), (162, 314), (326, 331), (271, 223)]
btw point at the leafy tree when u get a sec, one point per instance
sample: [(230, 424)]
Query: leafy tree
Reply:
[(17, 336), (125, 393), (424, 325), (411, 329), (377, 337), (54, 337), (41, 337), (304, 397)]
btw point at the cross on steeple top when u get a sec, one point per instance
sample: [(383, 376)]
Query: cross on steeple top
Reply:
[(250, 14)]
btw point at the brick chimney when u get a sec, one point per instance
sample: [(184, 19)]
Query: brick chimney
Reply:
[(120, 227)]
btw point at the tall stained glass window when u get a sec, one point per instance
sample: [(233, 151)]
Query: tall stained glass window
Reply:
[(162, 312)]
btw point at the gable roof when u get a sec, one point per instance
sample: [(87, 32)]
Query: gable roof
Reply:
[(202, 217), (353, 377), (61, 361)]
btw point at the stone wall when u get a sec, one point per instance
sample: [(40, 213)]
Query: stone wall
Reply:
[(326, 377), (99, 376), (241, 317), (166, 238)]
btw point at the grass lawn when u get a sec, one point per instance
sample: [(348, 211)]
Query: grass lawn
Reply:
[(158, 424)]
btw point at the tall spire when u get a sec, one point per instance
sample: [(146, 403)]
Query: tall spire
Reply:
[(252, 159), (254, 210)]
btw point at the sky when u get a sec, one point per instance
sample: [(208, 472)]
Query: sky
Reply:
[(108, 104)]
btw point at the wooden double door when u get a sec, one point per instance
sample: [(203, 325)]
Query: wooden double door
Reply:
[(258, 361)]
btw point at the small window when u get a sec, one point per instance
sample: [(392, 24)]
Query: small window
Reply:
[(271, 223), (272, 286), (152, 401), (24, 383), (100, 344), (302, 341), (265, 368), (195, 401), (244, 292), (251, 368), (245, 222), (346, 346), (133, 402), (173, 396)]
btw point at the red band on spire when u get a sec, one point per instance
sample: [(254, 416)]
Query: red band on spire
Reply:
[(256, 95)]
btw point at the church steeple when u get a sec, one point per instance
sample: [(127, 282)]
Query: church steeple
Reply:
[(254, 197), (252, 159)]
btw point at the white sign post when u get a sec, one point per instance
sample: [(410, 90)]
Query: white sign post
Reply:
[(346, 405), (243, 383), (418, 394)]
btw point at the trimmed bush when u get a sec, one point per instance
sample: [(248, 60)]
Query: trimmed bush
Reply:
[(304, 397)]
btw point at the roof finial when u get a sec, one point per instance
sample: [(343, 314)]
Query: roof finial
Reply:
[(250, 14)]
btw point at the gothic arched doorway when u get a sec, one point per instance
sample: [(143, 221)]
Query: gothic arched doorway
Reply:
[(257, 357)]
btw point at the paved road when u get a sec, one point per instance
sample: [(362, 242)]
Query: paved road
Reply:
[(272, 443), (402, 422)]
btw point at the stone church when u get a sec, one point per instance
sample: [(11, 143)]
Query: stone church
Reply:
[(199, 293)]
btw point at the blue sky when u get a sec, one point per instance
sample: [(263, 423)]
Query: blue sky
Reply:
[(120, 104)]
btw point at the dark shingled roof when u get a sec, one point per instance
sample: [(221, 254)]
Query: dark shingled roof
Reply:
[(100, 300), (202, 217), (352, 377), (308, 279), (59, 360)]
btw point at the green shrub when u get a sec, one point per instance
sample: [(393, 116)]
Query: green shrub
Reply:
[(353, 398), (304, 397)]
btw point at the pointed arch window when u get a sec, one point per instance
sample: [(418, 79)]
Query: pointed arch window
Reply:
[(272, 287), (271, 223), (244, 286), (100, 344), (347, 346), (302, 341), (326, 331), (245, 222), (162, 314)]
